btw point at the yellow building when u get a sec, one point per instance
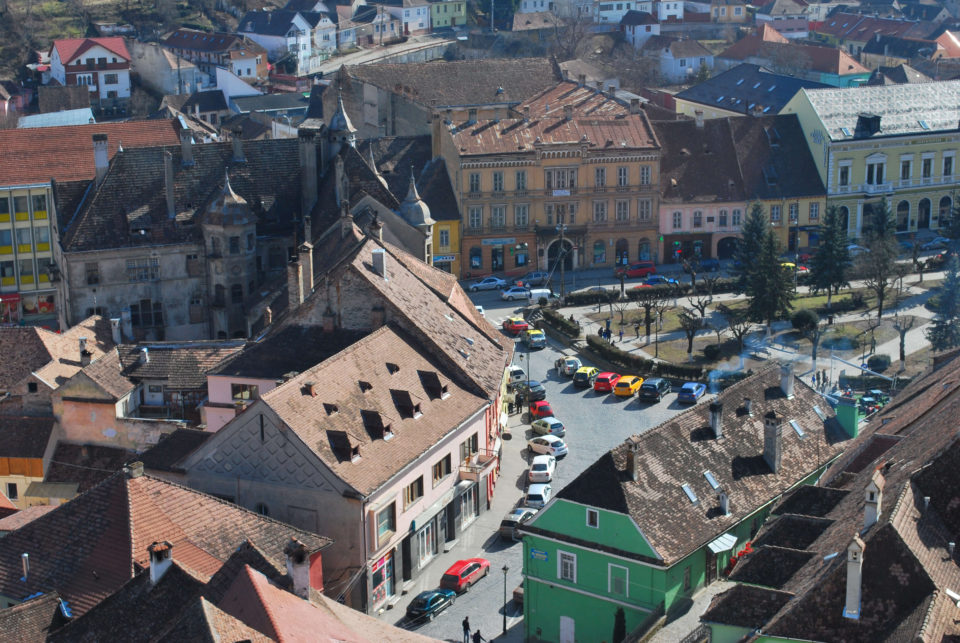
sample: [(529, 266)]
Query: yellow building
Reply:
[(730, 11), (25, 453), (571, 161), (896, 142), (26, 293)]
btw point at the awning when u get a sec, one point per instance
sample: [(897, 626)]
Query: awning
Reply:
[(723, 543), (427, 514), (503, 420)]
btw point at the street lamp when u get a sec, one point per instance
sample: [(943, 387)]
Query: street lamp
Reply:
[(505, 570), (561, 228)]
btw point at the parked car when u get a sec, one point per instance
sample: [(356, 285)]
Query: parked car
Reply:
[(627, 385), (532, 392), (691, 392), (854, 250), (585, 376), (538, 495), (514, 292), (542, 468), (535, 279), (534, 338), (536, 294), (638, 269), (464, 573), (516, 376), (515, 325), (936, 244), (428, 604), (567, 366), (709, 265), (517, 517), (605, 382), (540, 410), (548, 445), (548, 426), (659, 280), (489, 283), (653, 390)]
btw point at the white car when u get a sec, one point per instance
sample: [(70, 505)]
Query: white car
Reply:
[(542, 468), (548, 445), (548, 426), (855, 250), (515, 292), (567, 366), (538, 495), (490, 283), (936, 244)]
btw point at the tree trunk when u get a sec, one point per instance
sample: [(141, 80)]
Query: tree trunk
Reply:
[(880, 298), (690, 346), (903, 348), (647, 320)]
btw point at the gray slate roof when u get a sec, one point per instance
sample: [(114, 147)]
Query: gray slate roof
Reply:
[(747, 85)]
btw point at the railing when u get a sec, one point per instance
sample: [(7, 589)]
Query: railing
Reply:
[(552, 192), (474, 466)]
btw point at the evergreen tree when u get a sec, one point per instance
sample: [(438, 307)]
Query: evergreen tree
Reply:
[(771, 285), (748, 247), (945, 331), (832, 261), (878, 266)]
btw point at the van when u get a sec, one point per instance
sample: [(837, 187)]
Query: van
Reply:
[(515, 375), (546, 293)]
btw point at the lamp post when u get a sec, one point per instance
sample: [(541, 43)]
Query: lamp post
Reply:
[(505, 570), (561, 228)]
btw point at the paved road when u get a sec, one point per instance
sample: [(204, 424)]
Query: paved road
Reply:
[(595, 424)]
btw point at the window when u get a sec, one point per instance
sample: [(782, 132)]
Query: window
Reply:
[(468, 447), (794, 210), (444, 238), (735, 217), (593, 518), (844, 176), (441, 469), (476, 258), (561, 179), (722, 222), (566, 566), (775, 213), (697, 219), (623, 176), (413, 492), (474, 182), (644, 208), (498, 181), (926, 169), (24, 238), (236, 294), (677, 220), (599, 211), (39, 202), (31, 387), (4, 209), (20, 207), (644, 175), (110, 79), (244, 392), (947, 165), (617, 579), (12, 492), (521, 215), (386, 524), (498, 217), (146, 313), (234, 245), (41, 235), (738, 11), (600, 177), (875, 173), (905, 170), (476, 217), (93, 273), (599, 252), (146, 269), (26, 271), (623, 210), (814, 211), (683, 62), (521, 180)]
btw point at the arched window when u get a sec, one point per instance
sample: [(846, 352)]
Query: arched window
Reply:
[(623, 252), (903, 216), (599, 252), (945, 205), (923, 213)]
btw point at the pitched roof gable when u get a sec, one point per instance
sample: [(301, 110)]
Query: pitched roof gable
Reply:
[(70, 48), (746, 88), (33, 620), (183, 365), (690, 158), (775, 143)]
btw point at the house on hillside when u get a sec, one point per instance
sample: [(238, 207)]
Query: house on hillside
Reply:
[(100, 64), (680, 59)]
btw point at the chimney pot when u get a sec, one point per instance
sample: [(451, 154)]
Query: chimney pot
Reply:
[(633, 458), (298, 567), (950, 548), (772, 440), (161, 558), (724, 503), (786, 379), (186, 148), (698, 116), (854, 576), (634, 105), (25, 562), (115, 330), (144, 355), (716, 419), (306, 261), (926, 503), (101, 156), (295, 284), (873, 499), (134, 469), (380, 262), (312, 389)]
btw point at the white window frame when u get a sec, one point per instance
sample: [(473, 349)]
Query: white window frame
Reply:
[(644, 210), (560, 560), (626, 580), (644, 175), (848, 165), (953, 165), (776, 213), (678, 220), (596, 518), (735, 216), (622, 209), (813, 212)]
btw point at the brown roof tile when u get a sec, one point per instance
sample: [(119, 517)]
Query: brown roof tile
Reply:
[(587, 102), (19, 519), (107, 373), (184, 365), (745, 606), (25, 437), (86, 465), (204, 622), (691, 162), (167, 454), (33, 620), (777, 142)]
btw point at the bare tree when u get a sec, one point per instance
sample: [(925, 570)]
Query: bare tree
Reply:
[(690, 323), (700, 303), (570, 36), (903, 325), (660, 306), (738, 323)]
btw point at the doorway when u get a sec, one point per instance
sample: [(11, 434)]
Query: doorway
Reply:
[(567, 630)]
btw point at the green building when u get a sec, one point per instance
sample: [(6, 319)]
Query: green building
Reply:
[(448, 13), (659, 517)]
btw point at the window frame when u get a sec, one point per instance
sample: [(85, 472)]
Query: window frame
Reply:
[(443, 467), (413, 493), (595, 516), (626, 580), (386, 523), (572, 561)]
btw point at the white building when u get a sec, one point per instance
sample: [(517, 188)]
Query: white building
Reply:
[(102, 64)]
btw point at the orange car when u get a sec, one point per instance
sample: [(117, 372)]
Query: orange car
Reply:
[(627, 386)]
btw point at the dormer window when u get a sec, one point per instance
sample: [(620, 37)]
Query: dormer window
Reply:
[(365, 386), (331, 409)]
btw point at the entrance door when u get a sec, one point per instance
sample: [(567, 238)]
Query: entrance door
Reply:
[(468, 506), (711, 567), (566, 630), (923, 214), (496, 258)]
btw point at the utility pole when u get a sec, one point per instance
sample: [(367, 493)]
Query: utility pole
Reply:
[(492, 27), (561, 255)]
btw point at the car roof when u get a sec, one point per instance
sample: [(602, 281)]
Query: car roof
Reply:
[(549, 420), (628, 378), (652, 380), (606, 374), (691, 385), (541, 458), (539, 486)]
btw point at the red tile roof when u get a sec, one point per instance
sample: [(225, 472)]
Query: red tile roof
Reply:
[(21, 518), (70, 48), (66, 153)]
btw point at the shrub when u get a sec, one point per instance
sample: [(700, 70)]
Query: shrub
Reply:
[(805, 319), (561, 323), (878, 363), (591, 297), (712, 352), (933, 304), (542, 302)]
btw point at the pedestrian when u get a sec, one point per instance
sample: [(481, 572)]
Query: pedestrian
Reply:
[(510, 405), (608, 325), (466, 630), (636, 329), (477, 638), (600, 332), (519, 404), (621, 334)]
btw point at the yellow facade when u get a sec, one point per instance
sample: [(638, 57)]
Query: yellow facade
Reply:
[(26, 235), (16, 474), (795, 220), (690, 108), (446, 246), (728, 12)]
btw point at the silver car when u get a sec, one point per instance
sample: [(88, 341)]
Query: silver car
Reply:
[(548, 426), (490, 283)]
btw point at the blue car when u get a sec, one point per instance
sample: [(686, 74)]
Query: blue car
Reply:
[(659, 280), (691, 392), (430, 603)]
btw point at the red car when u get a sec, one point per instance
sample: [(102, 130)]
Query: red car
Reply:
[(464, 573), (605, 382), (515, 325), (638, 269), (540, 410)]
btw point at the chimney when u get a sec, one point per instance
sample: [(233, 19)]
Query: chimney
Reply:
[(380, 262), (134, 469), (144, 355), (295, 284), (951, 546), (873, 496), (84, 353), (329, 320), (724, 503), (311, 387), (449, 117), (848, 415), (526, 113), (308, 228), (634, 105), (698, 115), (298, 567), (115, 330), (101, 156), (186, 148), (926, 504), (168, 184), (611, 90), (308, 169), (854, 576), (306, 260), (877, 36), (786, 379), (568, 112), (126, 323), (772, 440), (25, 562), (161, 557), (346, 220), (581, 79), (633, 458), (748, 406), (238, 156), (376, 229), (716, 419), (267, 316)]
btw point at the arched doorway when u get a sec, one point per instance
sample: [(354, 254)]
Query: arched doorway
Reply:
[(643, 250), (553, 255), (945, 206), (622, 252), (844, 213), (599, 252), (903, 216), (923, 214), (726, 248)]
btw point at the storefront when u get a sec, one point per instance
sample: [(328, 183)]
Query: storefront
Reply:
[(444, 262), (10, 309), (428, 533), (382, 585), (686, 247)]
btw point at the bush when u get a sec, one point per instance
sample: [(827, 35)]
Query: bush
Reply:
[(591, 297), (878, 363), (561, 323), (639, 365), (712, 352), (933, 304), (542, 302), (805, 319), (867, 382)]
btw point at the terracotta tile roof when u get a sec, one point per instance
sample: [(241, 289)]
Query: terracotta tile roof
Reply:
[(823, 59), (5, 504), (698, 164), (190, 39), (774, 158), (33, 620), (204, 622), (70, 48), (167, 454), (377, 382), (86, 465), (25, 437), (66, 153), (184, 365), (587, 102), (107, 373), (677, 453), (59, 98), (535, 20), (770, 566), (24, 517), (89, 547)]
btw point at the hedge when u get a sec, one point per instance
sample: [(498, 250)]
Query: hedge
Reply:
[(561, 323), (641, 365), (867, 382), (591, 297), (878, 362)]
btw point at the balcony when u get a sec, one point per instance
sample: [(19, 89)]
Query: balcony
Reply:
[(477, 465)]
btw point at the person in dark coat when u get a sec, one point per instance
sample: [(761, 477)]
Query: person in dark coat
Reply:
[(477, 638), (466, 630)]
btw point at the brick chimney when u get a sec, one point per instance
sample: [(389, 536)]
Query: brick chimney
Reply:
[(161, 557), (101, 156), (854, 578), (295, 284), (633, 458), (872, 499), (298, 567), (772, 440), (716, 419)]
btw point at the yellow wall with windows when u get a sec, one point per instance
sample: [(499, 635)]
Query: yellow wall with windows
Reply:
[(690, 108), (451, 248), (26, 252), (20, 472), (809, 214)]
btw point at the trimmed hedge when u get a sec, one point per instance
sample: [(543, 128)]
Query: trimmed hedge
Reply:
[(878, 363), (867, 382), (561, 323), (712, 352), (591, 297), (640, 365)]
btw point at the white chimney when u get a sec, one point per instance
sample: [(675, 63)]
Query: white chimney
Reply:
[(786, 379), (854, 577), (724, 503), (168, 184), (25, 561), (716, 419), (85, 355), (144, 355), (101, 156), (298, 567), (295, 284), (160, 560), (186, 148), (115, 330), (633, 458), (698, 115), (873, 497), (237, 142), (305, 256), (380, 262), (748, 406), (772, 440)]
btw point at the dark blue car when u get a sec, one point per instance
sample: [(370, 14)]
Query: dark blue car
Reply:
[(430, 603), (691, 392), (659, 280)]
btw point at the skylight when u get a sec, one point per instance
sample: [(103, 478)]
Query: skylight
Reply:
[(796, 427), (721, 98), (819, 412), (924, 124), (740, 82), (690, 494), (711, 479), (772, 87), (757, 85), (846, 131)]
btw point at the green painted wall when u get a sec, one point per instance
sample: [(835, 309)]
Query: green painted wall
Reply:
[(613, 530), (727, 633)]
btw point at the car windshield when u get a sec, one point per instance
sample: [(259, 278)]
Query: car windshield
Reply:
[(450, 578), (539, 467), (420, 602)]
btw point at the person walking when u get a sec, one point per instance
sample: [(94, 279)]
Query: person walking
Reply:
[(477, 638), (636, 329), (466, 629), (519, 403), (621, 335)]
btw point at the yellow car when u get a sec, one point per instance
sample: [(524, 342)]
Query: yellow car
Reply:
[(535, 339), (627, 386), (585, 376)]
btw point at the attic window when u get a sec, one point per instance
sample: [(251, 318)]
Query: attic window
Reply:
[(773, 136), (796, 427), (430, 381), (757, 85), (846, 131), (691, 496), (331, 409), (711, 479), (404, 403), (721, 98), (819, 412), (924, 124), (375, 426), (365, 386), (739, 82), (393, 368), (344, 445), (772, 87)]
